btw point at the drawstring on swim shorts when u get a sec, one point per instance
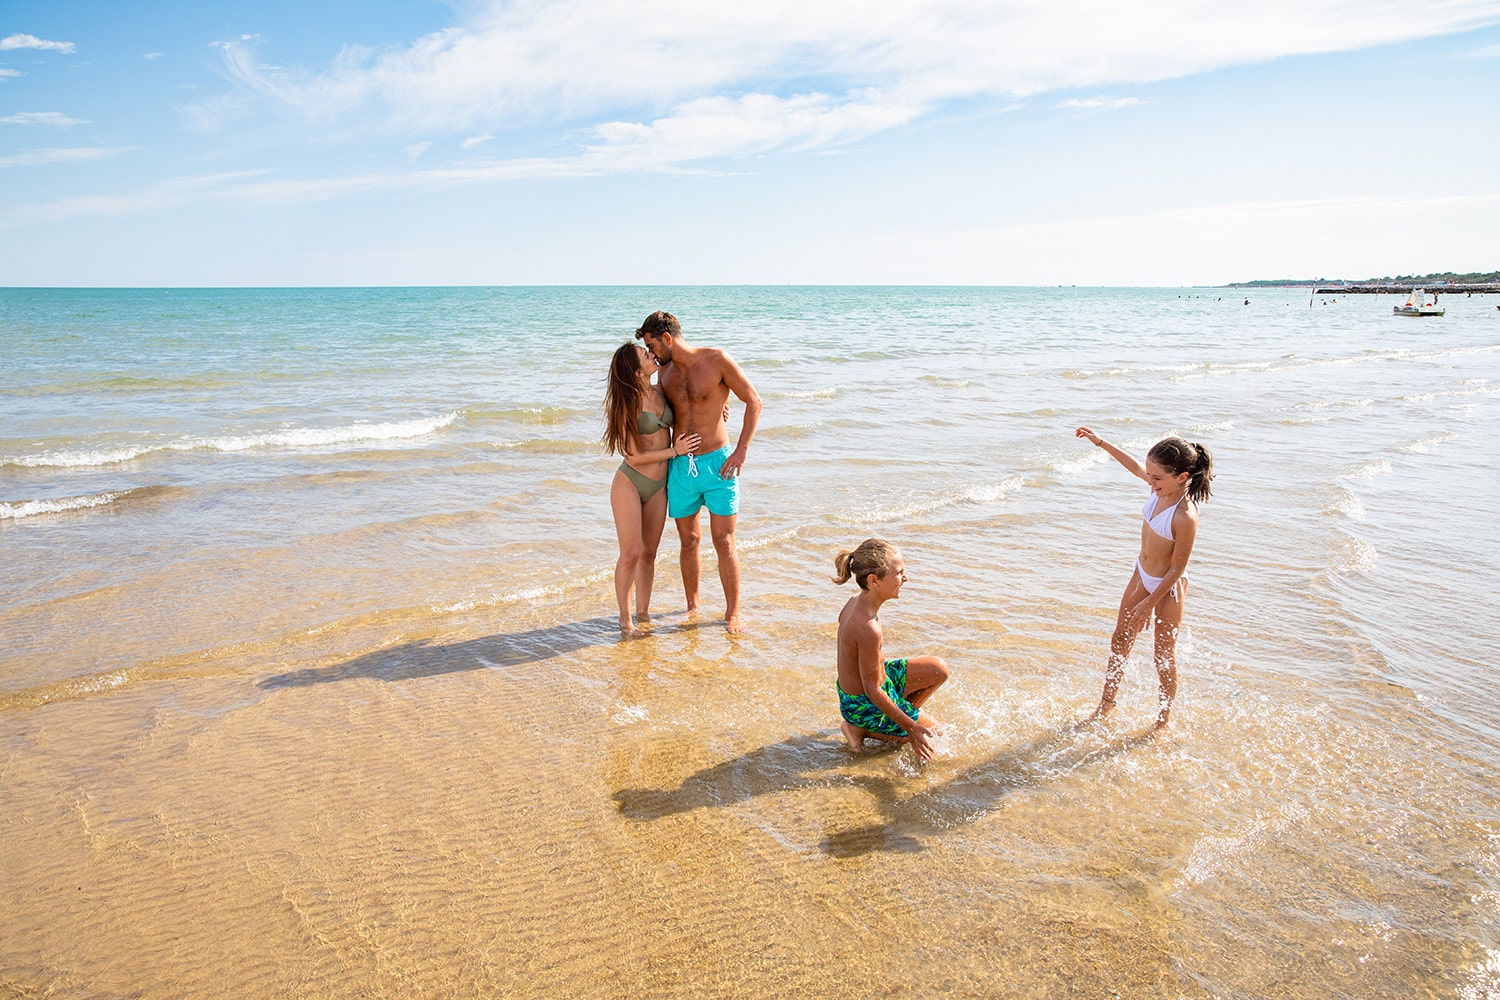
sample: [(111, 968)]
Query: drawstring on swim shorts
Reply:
[(692, 465)]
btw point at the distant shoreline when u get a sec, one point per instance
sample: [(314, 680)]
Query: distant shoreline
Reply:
[(1384, 287), (1448, 282)]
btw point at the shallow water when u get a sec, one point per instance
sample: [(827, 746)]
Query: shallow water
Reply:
[(308, 628)]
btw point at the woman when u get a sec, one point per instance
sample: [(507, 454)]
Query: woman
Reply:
[(638, 426)]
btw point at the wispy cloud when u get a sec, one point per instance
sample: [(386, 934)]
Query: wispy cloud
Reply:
[(153, 55), (655, 85), (43, 157), (52, 119), (33, 42), (156, 197), (9, 73), (518, 62), (1098, 103)]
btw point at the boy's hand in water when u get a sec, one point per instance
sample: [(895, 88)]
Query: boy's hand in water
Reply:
[(921, 735)]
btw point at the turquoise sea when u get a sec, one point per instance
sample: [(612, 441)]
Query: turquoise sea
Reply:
[(307, 625)]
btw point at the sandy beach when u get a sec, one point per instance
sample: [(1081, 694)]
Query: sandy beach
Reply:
[(311, 683)]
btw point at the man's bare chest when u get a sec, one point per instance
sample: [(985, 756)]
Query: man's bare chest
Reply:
[(696, 385)]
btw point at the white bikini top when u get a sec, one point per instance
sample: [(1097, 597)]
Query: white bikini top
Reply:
[(1161, 523)]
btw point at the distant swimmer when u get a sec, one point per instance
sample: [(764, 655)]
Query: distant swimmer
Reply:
[(880, 699), (1179, 473)]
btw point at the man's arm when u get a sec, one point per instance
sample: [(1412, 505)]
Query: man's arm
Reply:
[(734, 377)]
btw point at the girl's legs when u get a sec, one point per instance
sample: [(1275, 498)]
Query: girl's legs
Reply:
[(1126, 631), (1168, 622), (625, 504), (653, 519)]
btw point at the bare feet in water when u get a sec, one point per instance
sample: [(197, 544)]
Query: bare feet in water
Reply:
[(853, 735), (1105, 707)]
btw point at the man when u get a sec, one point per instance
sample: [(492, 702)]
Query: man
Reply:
[(698, 381)]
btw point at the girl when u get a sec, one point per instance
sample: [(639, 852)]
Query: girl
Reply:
[(880, 698), (638, 427), (1179, 473)]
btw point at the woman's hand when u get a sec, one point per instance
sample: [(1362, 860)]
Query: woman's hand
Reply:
[(687, 444), (1084, 432)]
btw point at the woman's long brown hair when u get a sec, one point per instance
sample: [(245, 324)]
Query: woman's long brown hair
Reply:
[(624, 398)]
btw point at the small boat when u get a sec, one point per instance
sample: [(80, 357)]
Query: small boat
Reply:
[(1416, 304)]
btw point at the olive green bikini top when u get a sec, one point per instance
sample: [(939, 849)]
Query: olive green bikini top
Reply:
[(650, 423)]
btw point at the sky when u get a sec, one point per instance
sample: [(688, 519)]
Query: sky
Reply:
[(946, 142)]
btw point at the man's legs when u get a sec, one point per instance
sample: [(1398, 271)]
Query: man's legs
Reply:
[(689, 533), (721, 526)]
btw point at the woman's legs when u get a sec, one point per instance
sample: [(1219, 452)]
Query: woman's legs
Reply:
[(653, 520), (625, 504)]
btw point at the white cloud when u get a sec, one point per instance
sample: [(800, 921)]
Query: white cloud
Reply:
[(524, 61), (42, 157), (54, 119), (33, 42), (153, 55), (475, 140), (9, 73), (1098, 103), (416, 149)]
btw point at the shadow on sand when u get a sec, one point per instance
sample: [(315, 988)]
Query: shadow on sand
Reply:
[(974, 792), (415, 660), (805, 760), (776, 767)]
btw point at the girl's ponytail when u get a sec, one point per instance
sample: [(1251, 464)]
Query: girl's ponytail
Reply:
[(1201, 475)]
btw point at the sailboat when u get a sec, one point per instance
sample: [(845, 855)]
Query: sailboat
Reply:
[(1416, 304)]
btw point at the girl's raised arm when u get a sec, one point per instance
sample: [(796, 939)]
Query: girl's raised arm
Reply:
[(1129, 461)]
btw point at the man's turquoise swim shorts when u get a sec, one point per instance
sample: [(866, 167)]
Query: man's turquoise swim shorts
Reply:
[(858, 710), (693, 481)]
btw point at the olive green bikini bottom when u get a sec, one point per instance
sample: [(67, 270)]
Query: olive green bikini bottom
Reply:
[(644, 485)]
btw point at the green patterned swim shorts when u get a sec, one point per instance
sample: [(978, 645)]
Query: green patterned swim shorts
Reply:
[(858, 710)]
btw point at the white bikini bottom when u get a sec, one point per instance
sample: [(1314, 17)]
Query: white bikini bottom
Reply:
[(1152, 582)]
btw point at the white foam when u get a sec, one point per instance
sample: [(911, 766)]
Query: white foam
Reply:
[(293, 438), (1347, 504), (1358, 556), (978, 494), (31, 508), (521, 596), (1369, 470), (1483, 979), (1422, 446)]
